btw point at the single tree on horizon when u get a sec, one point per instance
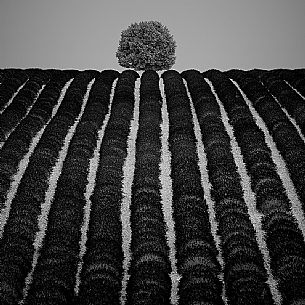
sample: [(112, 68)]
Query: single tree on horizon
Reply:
[(147, 45)]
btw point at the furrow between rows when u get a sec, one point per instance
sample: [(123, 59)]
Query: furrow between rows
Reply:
[(250, 201)]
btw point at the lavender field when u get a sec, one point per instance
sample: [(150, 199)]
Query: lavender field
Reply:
[(152, 187)]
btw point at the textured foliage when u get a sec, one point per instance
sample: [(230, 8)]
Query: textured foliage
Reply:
[(147, 45), (86, 217)]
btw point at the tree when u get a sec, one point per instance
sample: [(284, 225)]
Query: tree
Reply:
[(147, 45)]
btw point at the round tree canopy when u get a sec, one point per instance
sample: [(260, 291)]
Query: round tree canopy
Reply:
[(147, 45)]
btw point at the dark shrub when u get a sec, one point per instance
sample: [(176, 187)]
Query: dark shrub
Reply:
[(147, 45)]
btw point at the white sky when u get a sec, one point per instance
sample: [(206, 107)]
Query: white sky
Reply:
[(219, 34)]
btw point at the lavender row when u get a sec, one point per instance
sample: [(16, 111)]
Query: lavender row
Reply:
[(244, 272), (150, 266), (12, 80), (57, 264), (102, 271), (196, 250), (16, 245), (283, 237), (18, 143), (288, 98), (23, 101), (287, 140)]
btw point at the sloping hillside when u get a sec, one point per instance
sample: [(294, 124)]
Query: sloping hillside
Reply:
[(152, 188)]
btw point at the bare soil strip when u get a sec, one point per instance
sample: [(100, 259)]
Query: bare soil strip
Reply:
[(166, 195), (207, 190), (12, 98), (296, 205), (128, 170), (303, 97), (28, 110), (43, 218), (250, 201), (23, 165), (94, 162)]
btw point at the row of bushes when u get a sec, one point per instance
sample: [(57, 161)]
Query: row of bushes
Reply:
[(67, 112), (66, 212), (223, 174), (26, 206), (102, 270), (12, 80), (195, 247), (287, 140), (16, 146), (22, 102), (69, 201), (72, 102), (286, 247), (295, 78), (16, 249), (286, 96), (283, 237), (18, 143), (244, 273), (265, 180), (149, 271)]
